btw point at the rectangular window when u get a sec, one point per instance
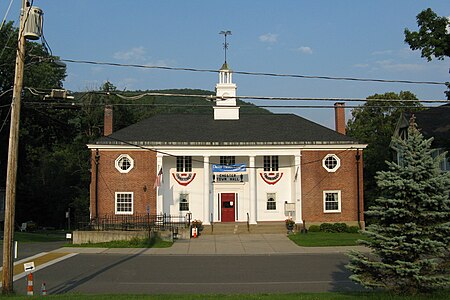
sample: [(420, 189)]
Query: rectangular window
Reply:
[(271, 201), (271, 163), (227, 160), (332, 201), (184, 202), (184, 163), (124, 203)]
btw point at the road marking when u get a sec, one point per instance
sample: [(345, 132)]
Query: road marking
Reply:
[(41, 261), (238, 283)]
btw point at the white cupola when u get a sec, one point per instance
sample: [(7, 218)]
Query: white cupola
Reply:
[(225, 108)]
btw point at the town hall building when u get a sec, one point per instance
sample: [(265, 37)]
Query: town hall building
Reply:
[(229, 167)]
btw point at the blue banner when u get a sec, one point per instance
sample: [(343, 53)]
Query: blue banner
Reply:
[(231, 168)]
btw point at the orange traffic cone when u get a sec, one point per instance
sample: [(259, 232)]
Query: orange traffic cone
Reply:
[(30, 284), (194, 232), (43, 289)]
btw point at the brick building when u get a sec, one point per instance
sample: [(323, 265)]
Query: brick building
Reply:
[(229, 167)]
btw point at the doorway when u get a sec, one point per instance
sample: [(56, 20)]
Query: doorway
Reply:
[(228, 204)]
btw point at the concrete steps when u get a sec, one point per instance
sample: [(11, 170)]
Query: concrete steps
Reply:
[(242, 228)]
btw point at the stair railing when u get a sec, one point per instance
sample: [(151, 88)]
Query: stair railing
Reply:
[(212, 223), (248, 222)]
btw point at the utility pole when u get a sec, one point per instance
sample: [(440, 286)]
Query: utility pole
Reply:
[(11, 177)]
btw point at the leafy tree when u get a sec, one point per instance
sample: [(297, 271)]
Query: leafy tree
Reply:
[(411, 239), (40, 128), (433, 37), (374, 123)]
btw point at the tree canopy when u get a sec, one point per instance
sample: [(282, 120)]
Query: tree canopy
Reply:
[(374, 123), (433, 37)]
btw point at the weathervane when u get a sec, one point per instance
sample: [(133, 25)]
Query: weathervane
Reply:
[(225, 44)]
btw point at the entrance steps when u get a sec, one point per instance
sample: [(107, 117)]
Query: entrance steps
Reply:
[(243, 228)]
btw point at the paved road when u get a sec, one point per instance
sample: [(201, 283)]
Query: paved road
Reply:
[(154, 274), (30, 249), (211, 264)]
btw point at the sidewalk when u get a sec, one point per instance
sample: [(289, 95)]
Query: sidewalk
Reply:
[(239, 244)]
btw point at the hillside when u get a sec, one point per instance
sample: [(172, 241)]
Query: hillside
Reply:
[(133, 106)]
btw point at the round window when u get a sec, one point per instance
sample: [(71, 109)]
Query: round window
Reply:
[(331, 163), (124, 163)]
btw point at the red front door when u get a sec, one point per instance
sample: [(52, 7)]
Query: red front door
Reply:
[(228, 202)]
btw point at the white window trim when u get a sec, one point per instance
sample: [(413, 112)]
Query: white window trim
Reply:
[(124, 212), (116, 163), (339, 201), (179, 202), (338, 164), (267, 201)]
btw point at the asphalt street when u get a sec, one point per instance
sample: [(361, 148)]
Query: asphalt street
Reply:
[(30, 249), (153, 274)]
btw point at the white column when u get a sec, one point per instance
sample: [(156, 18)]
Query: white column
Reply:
[(206, 190), (298, 189), (252, 183), (159, 190)]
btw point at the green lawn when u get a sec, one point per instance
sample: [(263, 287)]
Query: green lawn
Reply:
[(323, 239), (134, 243), (302, 296), (39, 236)]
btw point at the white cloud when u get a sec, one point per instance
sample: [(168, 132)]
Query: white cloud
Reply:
[(361, 65), (134, 54), (161, 63), (305, 50), (383, 52), (268, 38), (397, 67)]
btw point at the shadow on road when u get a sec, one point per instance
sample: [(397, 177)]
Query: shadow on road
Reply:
[(71, 284), (341, 281)]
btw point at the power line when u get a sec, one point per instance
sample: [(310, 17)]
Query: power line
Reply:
[(250, 73), (73, 105), (6, 14), (221, 98), (6, 118)]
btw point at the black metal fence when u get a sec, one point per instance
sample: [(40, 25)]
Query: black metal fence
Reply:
[(135, 222)]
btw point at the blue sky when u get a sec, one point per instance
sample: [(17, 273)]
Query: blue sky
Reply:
[(348, 38)]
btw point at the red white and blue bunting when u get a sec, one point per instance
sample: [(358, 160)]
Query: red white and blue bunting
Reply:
[(271, 177), (183, 178)]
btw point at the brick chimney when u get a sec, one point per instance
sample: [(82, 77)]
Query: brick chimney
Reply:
[(339, 117), (108, 121)]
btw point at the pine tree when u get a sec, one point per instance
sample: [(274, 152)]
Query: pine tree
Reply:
[(410, 241)]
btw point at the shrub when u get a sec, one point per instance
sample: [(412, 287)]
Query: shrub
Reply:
[(353, 229), (340, 227), (314, 228), (326, 227)]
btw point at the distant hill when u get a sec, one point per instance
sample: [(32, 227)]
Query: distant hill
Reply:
[(183, 104), (129, 110)]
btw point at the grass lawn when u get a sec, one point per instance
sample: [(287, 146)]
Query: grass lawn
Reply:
[(323, 239), (134, 243), (302, 296), (39, 236)]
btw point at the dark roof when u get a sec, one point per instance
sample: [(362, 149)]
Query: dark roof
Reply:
[(191, 129), (433, 122)]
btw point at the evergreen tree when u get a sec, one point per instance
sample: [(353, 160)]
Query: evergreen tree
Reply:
[(410, 241)]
